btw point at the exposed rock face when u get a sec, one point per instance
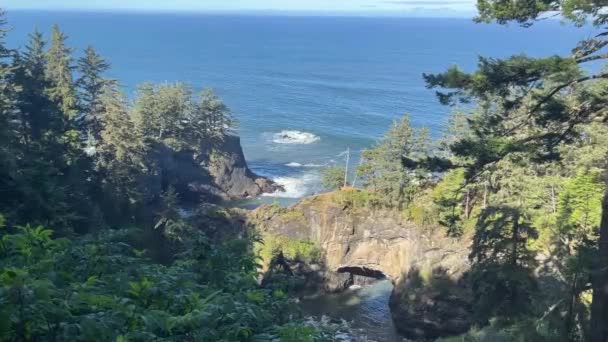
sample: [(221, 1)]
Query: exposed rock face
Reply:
[(310, 279), (230, 173), (431, 296), (217, 172)]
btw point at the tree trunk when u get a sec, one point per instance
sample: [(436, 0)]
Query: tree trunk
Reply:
[(599, 306), (571, 303)]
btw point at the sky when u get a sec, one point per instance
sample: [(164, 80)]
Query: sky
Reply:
[(395, 7)]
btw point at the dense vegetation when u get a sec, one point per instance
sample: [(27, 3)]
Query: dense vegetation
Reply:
[(524, 174), (89, 251)]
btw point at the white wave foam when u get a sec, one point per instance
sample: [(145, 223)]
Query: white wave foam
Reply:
[(309, 165), (295, 187), (294, 137)]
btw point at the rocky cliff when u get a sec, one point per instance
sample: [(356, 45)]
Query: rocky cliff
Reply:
[(215, 172), (431, 294)]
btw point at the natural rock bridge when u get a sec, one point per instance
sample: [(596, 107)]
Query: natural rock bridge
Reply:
[(380, 243)]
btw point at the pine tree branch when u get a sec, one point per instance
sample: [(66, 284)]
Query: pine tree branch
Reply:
[(592, 58), (566, 85)]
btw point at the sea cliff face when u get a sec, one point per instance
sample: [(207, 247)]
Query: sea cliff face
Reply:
[(431, 297), (215, 172)]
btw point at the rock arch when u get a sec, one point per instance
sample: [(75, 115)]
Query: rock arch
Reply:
[(378, 242)]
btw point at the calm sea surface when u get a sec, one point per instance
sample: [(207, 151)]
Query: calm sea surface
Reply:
[(303, 88)]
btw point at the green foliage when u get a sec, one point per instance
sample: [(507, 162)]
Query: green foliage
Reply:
[(271, 245), (77, 153), (98, 288), (580, 204), (503, 284), (525, 331), (169, 114), (90, 85), (333, 178), (170, 220), (448, 195), (526, 13), (59, 74), (358, 198), (388, 167), (532, 113)]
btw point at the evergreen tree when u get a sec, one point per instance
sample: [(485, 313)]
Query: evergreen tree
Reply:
[(333, 178), (449, 195), (9, 139), (38, 114), (160, 112), (214, 114), (6, 91), (90, 84), (533, 105), (53, 183), (120, 157), (503, 283), (169, 114), (59, 74), (387, 167)]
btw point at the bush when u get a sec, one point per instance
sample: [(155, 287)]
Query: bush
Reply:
[(99, 288), (292, 249)]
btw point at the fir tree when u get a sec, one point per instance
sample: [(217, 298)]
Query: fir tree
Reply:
[(120, 156), (90, 85), (59, 74), (387, 167), (532, 106)]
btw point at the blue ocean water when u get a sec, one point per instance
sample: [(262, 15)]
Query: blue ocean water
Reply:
[(339, 82)]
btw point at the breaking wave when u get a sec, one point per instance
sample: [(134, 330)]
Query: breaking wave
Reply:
[(295, 187), (310, 165), (294, 137)]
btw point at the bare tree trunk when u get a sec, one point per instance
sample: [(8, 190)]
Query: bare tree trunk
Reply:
[(599, 306)]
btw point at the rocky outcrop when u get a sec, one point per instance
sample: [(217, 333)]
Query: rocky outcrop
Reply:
[(431, 295), (230, 173), (216, 172)]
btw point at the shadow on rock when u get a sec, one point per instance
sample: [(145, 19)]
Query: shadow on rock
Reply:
[(432, 303)]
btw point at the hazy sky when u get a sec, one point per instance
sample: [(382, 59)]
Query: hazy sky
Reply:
[(442, 7)]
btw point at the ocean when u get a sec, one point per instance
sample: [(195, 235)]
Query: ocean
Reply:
[(304, 89)]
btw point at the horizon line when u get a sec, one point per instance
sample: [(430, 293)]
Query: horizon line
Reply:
[(270, 12)]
